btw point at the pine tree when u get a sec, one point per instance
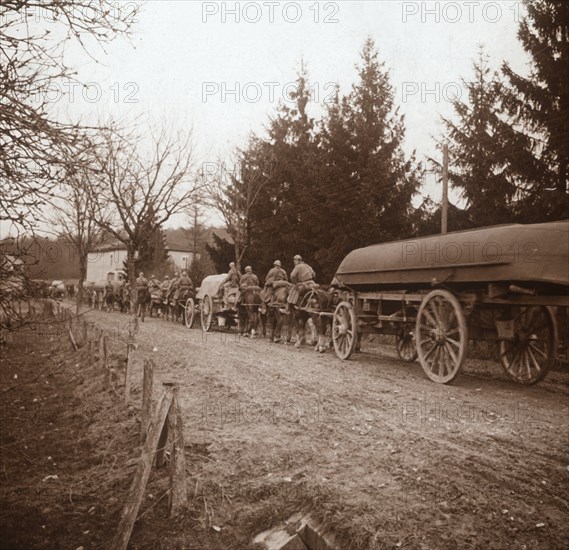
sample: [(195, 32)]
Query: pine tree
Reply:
[(282, 220), (478, 152), (367, 180), (153, 253), (540, 106)]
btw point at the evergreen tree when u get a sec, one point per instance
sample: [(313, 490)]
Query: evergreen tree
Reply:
[(367, 182), (478, 152), (221, 253), (282, 220), (153, 253), (540, 106)]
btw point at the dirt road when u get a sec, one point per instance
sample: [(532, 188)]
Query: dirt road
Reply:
[(397, 461)]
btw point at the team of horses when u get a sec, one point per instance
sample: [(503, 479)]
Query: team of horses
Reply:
[(278, 319), (171, 307)]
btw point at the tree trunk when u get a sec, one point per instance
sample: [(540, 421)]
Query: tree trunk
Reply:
[(82, 277), (562, 179), (132, 278), (238, 255)]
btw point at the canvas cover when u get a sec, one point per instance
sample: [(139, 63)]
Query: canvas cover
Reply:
[(210, 286), (527, 253)]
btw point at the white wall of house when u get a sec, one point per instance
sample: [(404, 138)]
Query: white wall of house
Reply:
[(104, 265), (182, 260), (107, 264)]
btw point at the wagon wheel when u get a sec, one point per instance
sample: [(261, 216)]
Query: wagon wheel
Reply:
[(528, 357), (405, 344), (190, 312), (206, 313), (344, 330), (441, 336)]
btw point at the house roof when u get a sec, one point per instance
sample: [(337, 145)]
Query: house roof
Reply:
[(176, 240)]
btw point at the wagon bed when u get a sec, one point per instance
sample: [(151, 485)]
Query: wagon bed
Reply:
[(435, 293)]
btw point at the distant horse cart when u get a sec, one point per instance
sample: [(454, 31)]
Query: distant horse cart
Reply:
[(434, 294)]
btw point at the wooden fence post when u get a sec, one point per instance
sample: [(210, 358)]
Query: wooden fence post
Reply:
[(178, 495), (104, 358), (100, 350), (130, 511), (90, 343), (163, 440), (147, 389), (70, 328)]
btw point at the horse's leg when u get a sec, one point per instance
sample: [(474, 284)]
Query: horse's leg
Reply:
[(263, 320), (253, 315), (241, 316), (300, 329)]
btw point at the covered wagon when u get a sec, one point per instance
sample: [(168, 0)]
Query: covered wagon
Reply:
[(211, 306), (435, 293)]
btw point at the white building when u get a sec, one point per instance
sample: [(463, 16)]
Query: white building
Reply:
[(107, 262)]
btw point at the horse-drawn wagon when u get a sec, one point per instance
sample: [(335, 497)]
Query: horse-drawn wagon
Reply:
[(434, 294), (211, 305)]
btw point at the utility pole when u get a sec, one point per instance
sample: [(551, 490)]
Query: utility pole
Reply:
[(195, 232), (444, 205)]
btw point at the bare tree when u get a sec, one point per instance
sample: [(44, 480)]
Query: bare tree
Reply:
[(234, 194), (75, 215), (35, 148), (142, 189)]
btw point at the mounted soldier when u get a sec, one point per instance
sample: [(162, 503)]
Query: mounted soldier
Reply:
[(249, 302), (172, 287), (109, 296), (164, 286), (185, 285), (248, 279), (302, 277), (275, 275), (230, 284), (154, 287), (154, 284), (143, 295)]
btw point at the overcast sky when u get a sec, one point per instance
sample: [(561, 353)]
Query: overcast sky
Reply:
[(200, 64)]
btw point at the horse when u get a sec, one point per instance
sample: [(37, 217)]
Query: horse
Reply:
[(109, 300), (157, 303), (323, 300), (124, 301), (143, 301), (248, 310), (276, 316), (176, 304)]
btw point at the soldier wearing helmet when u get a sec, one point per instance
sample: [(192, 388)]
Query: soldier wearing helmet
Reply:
[(185, 283), (302, 273), (248, 278), (231, 280), (165, 285), (277, 273), (302, 277)]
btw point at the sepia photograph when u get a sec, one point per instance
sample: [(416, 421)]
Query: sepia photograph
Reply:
[(282, 275)]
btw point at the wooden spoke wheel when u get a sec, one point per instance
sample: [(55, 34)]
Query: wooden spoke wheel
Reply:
[(441, 336), (528, 357), (206, 313), (405, 344), (344, 330), (190, 312)]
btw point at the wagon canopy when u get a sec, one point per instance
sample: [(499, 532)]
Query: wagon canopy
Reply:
[(210, 285), (537, 253)]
